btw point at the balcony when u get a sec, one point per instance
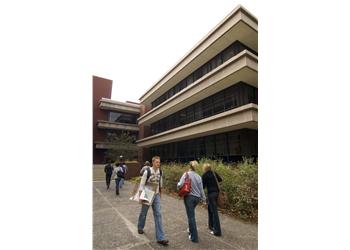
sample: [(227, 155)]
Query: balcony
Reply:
[(242, 117), (117, 126), (242, 67), (238, 25), (108, 145), (107, 104)]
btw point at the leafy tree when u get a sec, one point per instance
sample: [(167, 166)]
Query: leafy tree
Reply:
[(121, 144)]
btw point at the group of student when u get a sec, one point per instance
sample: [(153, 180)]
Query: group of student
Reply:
[(209, 180), (152, 175), (117, 173)]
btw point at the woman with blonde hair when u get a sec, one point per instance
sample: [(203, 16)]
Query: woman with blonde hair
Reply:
[(210, 181), (192, 199)]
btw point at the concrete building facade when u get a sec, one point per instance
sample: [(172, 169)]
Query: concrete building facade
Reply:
[(207, 104)]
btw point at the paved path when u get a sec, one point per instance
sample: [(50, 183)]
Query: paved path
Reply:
[(115, 224)]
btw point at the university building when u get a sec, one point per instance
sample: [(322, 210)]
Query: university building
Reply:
[(207, 104), (110, 117)]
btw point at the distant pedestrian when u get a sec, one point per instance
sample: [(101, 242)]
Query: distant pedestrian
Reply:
[(192, 199), (210, 181), (146, 165), (125, 169), (153, 176), (118, 174), (108, 172)]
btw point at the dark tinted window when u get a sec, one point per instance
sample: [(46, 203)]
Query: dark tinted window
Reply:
[(232, 50)]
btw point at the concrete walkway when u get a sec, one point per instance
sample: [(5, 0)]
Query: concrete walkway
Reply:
[(115, 224)]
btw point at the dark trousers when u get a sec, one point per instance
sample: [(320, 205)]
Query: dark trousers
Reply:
[(108, 180), (190, 204), (214, 221)]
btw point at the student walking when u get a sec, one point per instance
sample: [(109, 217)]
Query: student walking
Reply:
[(210, 181), (125, 169), (118, 174), (108, 172), (152, 176), (145, 166), (192, 199)]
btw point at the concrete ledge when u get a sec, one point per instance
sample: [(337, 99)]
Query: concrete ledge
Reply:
[(242, 67), (242, 117), (240, 24), (117, 125), (108, 104)]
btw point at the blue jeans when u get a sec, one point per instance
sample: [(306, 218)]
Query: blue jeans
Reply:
[(121, 183), (214, 221), (117, 183), (190, 204), (157, 214)]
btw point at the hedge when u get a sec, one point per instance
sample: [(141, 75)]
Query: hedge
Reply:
[(240, 182)]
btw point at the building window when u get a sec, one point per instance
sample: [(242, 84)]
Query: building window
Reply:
[(219, 102), (232, 50), (207, 107), (122, 117), (229, 98), (226, 146), (221, 145), (210, 146)]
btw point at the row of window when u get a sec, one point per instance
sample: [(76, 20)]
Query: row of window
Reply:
[(122, 117), (225, 146), (229, 98), (216, 61)]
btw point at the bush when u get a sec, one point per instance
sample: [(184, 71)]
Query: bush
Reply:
[(240, 182)]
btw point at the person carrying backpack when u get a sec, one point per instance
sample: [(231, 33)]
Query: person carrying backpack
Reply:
[(108, 172), (146, 165), (125, 169), (118, 174), (153, 176)]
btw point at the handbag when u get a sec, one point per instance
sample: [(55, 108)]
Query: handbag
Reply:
[(186, 187), (222, 198)]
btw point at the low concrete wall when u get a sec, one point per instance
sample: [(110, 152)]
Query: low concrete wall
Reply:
[(133, 170)]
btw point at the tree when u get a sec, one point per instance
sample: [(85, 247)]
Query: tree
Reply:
[(121, 144)]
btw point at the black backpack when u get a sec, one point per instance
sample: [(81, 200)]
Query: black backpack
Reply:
[(121, 173)]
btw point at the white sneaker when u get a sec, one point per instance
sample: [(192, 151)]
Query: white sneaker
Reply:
[(212, 232), (189, 237)]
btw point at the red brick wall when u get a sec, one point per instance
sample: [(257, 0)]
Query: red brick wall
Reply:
[(101, 88)]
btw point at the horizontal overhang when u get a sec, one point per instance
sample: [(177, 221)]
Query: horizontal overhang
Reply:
[(108, 145), (242, 117), (117, 125), (242, 67), (107, 104), (238, 25)]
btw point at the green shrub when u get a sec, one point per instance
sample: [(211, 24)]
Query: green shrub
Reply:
[(240, 182)]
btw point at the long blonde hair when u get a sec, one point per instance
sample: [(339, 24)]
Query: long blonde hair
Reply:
[(206, 167)]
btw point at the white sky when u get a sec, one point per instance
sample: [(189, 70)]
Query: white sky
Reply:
[(137, 42)]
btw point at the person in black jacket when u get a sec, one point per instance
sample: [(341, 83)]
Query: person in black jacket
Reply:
[(211, 184), (108, 171)]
